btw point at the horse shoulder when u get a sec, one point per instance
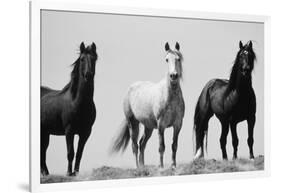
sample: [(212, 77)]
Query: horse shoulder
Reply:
[(181, 104), (160, 100)]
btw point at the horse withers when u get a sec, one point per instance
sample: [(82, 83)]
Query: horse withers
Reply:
[(70, 111), (232, 101), (156, 106)]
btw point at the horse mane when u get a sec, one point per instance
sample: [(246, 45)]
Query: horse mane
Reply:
[(73, 83), (235, 68)]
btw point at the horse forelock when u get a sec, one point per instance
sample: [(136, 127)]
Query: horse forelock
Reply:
[(179, 54)]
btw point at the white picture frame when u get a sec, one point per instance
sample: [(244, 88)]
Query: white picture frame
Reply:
[(37, 6)]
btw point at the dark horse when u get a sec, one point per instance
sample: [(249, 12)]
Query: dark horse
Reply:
[(71, 110), (232, 101)]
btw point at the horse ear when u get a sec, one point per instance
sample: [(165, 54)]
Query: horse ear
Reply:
[(167, 47), (177, 46), (240, 44), (82, 47), (93, 46), (250, 44)]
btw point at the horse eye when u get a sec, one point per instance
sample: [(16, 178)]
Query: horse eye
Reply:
[(166, 59)]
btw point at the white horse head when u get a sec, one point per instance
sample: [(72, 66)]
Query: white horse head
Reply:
[(174, 59)]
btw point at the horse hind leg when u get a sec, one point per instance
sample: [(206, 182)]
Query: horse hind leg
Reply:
[(142, 144), (134, 134), (45, 138)]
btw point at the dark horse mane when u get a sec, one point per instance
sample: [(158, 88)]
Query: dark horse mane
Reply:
[(73, 83), (235, 68)]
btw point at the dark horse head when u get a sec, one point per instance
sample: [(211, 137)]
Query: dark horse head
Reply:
[(244, 62), (85, 65)]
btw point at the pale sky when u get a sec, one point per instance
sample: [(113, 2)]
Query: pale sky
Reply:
[(130, 49)]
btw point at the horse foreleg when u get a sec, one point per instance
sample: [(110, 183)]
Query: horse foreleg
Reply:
[(142, 144), (235, 140), (70, 151), (161, 145), (175, 144), (81, 144), (251, 123), (223, 138), (44, 145)]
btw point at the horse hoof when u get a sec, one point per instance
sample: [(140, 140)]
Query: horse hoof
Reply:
[(199, 154), (76, 173), (140, 166), (44, 173), (71, 174)]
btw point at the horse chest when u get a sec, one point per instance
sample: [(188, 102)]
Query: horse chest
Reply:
[(243, 109), (80, 118), (171, 113), (168, 118)]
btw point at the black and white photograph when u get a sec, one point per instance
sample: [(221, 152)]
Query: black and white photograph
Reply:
[(120, 96), (131, 96)]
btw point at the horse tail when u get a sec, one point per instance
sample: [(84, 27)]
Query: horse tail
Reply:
[(201, 117), (196, 128), (122, 140)]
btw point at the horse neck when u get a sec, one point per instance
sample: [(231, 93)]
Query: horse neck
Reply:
[(172, 90), (239, 84), (84, 92)]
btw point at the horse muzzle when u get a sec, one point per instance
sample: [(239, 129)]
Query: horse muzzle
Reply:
[(174, 76), (246, 72), (88, 76)]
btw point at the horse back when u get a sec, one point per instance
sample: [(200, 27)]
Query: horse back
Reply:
[(230, 103), (45, 90)]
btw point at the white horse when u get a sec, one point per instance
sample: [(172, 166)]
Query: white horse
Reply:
[(156, 106)]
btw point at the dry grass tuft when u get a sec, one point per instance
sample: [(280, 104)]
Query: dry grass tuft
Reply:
[(200, 166)]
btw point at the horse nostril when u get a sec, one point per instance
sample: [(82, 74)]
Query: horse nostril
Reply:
[(88, 75), (174, 76)]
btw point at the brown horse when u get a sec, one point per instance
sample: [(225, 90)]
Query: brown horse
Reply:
[(70, 111), (232, 101)]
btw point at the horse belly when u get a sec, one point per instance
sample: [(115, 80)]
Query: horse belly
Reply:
[(147, 119), (52, 126), (144, 115)]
